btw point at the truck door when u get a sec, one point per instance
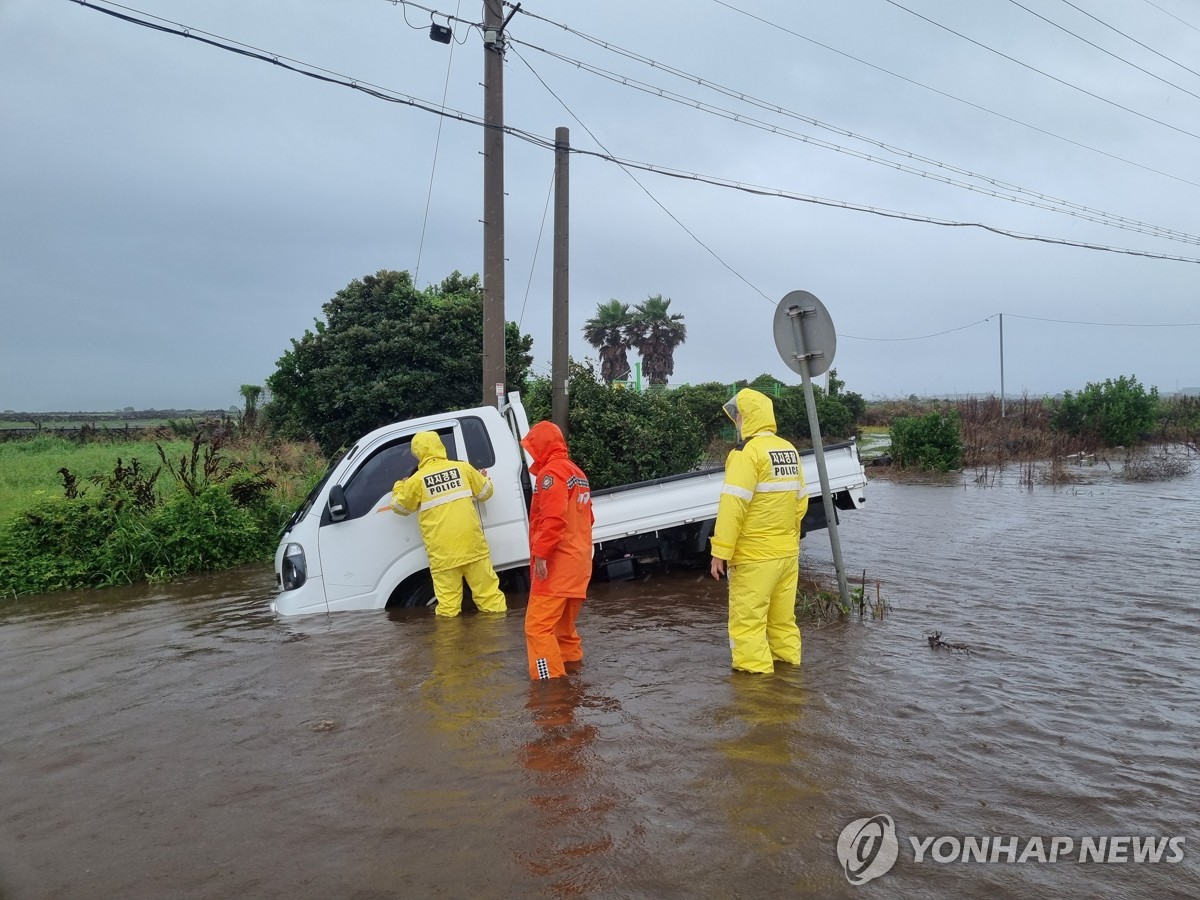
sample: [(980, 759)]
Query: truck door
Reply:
[(505, 516), (362, 545)]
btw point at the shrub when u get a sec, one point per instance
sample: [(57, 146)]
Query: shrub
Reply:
[(931, 441), (1113, 414), (619, 436), (118, 530)]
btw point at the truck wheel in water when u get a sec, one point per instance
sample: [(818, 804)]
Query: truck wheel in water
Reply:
[(417, 592)]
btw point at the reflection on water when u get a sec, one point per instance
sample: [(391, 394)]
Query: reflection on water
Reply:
[(569, 803), (179, 740)]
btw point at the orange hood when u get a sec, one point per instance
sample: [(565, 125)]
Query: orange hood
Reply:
[(544, 442)]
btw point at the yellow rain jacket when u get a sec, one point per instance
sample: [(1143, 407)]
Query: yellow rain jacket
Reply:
[(764, 496), (442, 492)]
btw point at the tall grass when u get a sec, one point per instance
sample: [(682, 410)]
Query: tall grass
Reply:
[(29, 469)]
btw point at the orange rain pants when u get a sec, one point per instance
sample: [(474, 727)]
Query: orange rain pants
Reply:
[(550, 636)]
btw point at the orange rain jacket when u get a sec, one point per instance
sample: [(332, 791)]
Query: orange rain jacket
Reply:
[(560, 517), (442, 491)]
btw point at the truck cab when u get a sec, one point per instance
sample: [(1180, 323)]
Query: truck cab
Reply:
[(339, 552)]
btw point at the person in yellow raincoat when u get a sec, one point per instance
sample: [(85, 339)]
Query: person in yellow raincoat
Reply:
[(442, 492), (757, 535)]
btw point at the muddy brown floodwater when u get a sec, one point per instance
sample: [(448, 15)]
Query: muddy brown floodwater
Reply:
[(180, 741)]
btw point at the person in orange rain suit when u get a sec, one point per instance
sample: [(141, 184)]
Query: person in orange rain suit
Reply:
[(758, 533), (560, 553), (442, 492)]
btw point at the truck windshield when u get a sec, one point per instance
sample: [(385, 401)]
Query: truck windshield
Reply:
[(303, 508)]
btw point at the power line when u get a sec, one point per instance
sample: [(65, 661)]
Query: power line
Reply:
[(1110, 324), (645, 190), (1173, 16), (886, 213), (999, 189), (948, 96), (436, 145), (921, 337), (1031, 68), (1102, 49), (1130, 38), (545, 143)]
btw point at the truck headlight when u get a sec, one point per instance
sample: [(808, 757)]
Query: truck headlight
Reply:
[(295, 569)]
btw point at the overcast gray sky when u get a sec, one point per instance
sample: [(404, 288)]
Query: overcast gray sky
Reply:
[(172, 214)]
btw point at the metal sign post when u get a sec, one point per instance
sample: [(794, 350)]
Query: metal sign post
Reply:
[(807, 341)]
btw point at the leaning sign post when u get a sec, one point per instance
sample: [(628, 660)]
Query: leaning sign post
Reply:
[(806, 340)]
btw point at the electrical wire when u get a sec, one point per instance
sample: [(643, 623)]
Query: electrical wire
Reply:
[(536, 248), (948, 96), (1031, 68), (1173, 16), (1110, 324), (1130, 38), (644, 189), (537, 140), (924, 337), (436, 145), (1102, 49), (999, 189), (921, 337)]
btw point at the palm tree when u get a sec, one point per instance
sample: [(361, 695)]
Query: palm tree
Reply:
[(608, 332), (655, 333)]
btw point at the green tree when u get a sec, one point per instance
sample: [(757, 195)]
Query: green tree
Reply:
[(250, 394), (932, 441), (387, 351), (706, 402), (837, 412), (1115, 413), (656, 332), (622, 436), (608, 332)]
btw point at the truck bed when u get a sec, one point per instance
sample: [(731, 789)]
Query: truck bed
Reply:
[(649, 506)]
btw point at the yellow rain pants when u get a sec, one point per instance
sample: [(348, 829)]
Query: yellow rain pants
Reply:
[(762, 614), (485, 588)]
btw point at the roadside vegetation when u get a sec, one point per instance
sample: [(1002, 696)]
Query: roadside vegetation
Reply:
[(76, 515), (1118, 419), (110, 503)]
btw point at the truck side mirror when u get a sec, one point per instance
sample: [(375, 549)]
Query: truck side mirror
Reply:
[(338, 510)]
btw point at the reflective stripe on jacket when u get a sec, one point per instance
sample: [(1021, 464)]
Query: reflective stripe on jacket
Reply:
[(442, 492), (560, 516), (764, 496)]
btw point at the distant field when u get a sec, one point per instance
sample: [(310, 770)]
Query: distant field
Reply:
[(110, 421), (98, 423), (29, 468)]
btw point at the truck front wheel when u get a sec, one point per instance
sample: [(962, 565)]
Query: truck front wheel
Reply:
[(416, 592)]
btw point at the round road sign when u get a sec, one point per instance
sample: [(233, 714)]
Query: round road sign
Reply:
[(802, 324)]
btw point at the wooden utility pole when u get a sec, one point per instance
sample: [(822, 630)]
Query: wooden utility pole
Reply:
[(493, 203), (561, 319)]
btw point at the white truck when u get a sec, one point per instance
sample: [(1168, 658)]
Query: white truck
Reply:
[(337, 552)]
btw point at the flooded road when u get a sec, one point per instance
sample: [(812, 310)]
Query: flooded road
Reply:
[(180, 741)]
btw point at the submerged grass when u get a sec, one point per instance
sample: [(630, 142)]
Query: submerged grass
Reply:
[(819, 603)]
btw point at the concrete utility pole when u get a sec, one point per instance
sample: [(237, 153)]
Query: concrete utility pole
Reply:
[(493, 203), (562, 245)]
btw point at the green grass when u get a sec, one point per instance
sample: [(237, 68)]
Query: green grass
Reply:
[(99, 422), (29, 468)]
